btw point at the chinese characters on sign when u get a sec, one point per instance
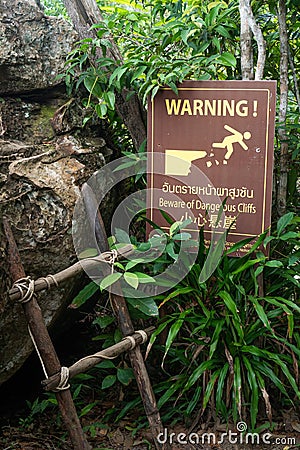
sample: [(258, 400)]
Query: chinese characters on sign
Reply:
[(224, 131)]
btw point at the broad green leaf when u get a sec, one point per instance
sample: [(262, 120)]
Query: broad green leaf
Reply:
[(91, 84), (125, 376), (103, 321), (182, 236), (110, 99), (101, 110), (185, 35), (134, 262), (131, 279), (117, 74), (247, 264), (227, 58), (84, 295), (144, 278), (174, 227), (122, 236), (258, 271), (138, 72), (107, 364), (145, 305), (289, 235), (267, 240), (284, 221), (223, 32), (213, 13), (171, 252), (274, 263), (110, 279), (108, 381)]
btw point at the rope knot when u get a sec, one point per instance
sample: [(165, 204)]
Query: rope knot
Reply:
[(64, 380), (26, 288)]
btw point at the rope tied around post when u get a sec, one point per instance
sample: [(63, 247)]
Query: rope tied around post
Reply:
[(50, 281), (133, 342), (112, 259), (64, 380), (25, 286)]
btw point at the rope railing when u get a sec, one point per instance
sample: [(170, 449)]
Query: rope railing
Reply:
[(24, 288), (84, 364)]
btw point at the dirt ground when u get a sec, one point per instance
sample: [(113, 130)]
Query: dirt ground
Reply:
[(42, 435)]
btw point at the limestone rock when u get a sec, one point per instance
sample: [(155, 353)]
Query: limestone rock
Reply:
[(45, 157), (33, 46)]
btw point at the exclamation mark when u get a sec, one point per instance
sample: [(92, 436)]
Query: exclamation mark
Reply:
[(254, 108)]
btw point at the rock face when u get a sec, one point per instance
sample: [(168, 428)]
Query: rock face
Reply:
[(45, 156), (32, 46)]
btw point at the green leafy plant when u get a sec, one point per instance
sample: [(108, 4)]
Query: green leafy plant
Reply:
[(37, 407), (162, 44), (55, 8), (232, 343), (237, 347)]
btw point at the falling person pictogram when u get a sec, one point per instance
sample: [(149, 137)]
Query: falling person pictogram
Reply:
[(236, 137)]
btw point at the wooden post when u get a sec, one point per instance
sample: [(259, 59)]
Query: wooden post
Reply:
[(125, 324), (45, 347)]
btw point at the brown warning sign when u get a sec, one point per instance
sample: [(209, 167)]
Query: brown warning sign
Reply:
[(213, 143)]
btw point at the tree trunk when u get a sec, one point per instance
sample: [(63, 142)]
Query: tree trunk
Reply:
[(84, 14), (249, 21), (284, 156), (245, 44)]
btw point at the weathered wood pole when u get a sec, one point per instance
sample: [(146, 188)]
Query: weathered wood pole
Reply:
[(45, 347), (125, 324), (87, 362), (56, 279)]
